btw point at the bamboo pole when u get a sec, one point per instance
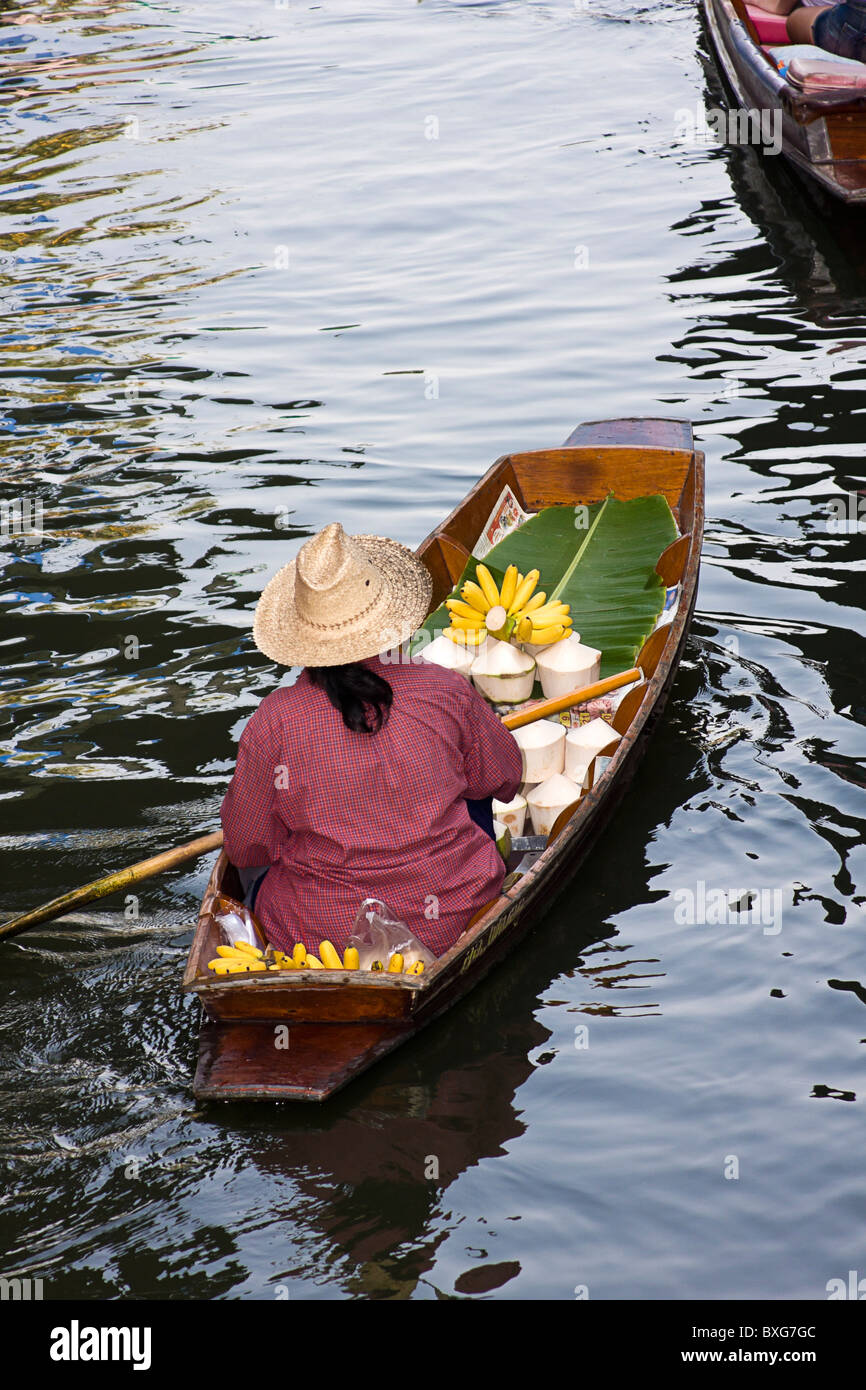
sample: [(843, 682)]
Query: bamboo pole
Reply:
[(112, 883), (577, 697)]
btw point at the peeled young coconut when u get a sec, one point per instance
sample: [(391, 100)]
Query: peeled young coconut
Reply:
[(567, 665), (443, 652), (503, 839), (503, 673), (548, 799), (584, 743), (543, 747), (511, 813)]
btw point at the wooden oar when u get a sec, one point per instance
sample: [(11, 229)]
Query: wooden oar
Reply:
[(544, 708), (205, 844), (112, 883)]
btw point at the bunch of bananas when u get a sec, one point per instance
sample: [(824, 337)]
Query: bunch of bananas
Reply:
[(514, 610), (244, 959)]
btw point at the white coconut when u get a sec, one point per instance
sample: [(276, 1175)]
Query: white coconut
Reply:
[(585, 743), (567, 665), (443, 652), (543, 747), (503, 673), (511, 813), (549, 799)]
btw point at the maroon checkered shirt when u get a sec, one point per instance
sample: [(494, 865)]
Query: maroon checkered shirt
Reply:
[(343, 816)]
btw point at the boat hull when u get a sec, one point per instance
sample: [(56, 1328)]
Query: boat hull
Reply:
[(824, 139), (268, 1038)]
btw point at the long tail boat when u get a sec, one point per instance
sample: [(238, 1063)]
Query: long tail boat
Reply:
[(341, 1022), (818, 104)]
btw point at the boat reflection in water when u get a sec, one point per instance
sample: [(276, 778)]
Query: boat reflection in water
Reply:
[(366, 1176)]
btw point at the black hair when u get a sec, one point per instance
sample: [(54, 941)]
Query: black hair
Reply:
[(362, 697)]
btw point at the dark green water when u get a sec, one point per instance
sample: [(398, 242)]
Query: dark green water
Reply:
[(264, 267)]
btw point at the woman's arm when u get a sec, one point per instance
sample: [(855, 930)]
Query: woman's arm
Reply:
[(251, 831), (492, 758)]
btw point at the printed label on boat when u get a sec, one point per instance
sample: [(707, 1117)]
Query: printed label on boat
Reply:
[(506, 516)]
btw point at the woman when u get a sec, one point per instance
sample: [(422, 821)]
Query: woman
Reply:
[(839, 29), (353, 782)]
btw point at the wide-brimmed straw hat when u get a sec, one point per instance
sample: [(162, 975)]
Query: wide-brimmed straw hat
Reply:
[(341, 599)]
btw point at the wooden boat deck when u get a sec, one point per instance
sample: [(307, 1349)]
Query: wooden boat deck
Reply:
[(340, 1023)]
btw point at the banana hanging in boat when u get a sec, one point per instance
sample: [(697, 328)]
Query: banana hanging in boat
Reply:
[(457, 608), (395, 964), (543, 637), (509, 587), (523, 592), (299, 953), (250, 950), (466, 636), (416, 968), (474, 596), (328, 956), (351, 959), (488, 584)]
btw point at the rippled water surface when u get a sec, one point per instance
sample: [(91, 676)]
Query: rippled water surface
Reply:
[(264, 266)]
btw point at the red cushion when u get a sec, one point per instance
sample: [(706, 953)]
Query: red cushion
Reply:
[(771, 27)]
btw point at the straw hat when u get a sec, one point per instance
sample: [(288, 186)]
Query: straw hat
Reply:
[(342, 598)]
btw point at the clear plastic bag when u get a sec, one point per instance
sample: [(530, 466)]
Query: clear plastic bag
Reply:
[(378, 933), (236, 923)]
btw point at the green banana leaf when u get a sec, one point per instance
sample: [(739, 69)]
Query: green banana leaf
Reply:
[(599, 559)]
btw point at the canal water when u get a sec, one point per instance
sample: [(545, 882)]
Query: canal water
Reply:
[(268, 265)]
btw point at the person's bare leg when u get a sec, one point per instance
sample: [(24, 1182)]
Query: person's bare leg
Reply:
[(800, 21)]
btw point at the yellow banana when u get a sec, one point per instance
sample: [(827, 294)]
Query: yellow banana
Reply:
[(312, 963), (416, 968), (535, 602), (509, 586), (299, 953), (475, 624), (376, 965), (395, 964), (544, 636), (488, 584), (466, 636), (250, 950), (553, 608), (524, 629), (350, 958), (228, 952), (474, 596), (523, 592), (458, 609), (328, 956)]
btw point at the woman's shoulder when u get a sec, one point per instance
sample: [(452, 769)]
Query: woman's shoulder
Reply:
[(282, 704)]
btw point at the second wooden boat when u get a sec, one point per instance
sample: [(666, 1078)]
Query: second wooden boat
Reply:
[(822, 128), (341, 1022)]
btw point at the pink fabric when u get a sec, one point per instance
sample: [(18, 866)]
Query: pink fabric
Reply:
[(771, 27), (342, 816), (817, 74)]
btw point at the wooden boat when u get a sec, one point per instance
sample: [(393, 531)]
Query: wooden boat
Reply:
[(823, 133), (339, 1022)]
